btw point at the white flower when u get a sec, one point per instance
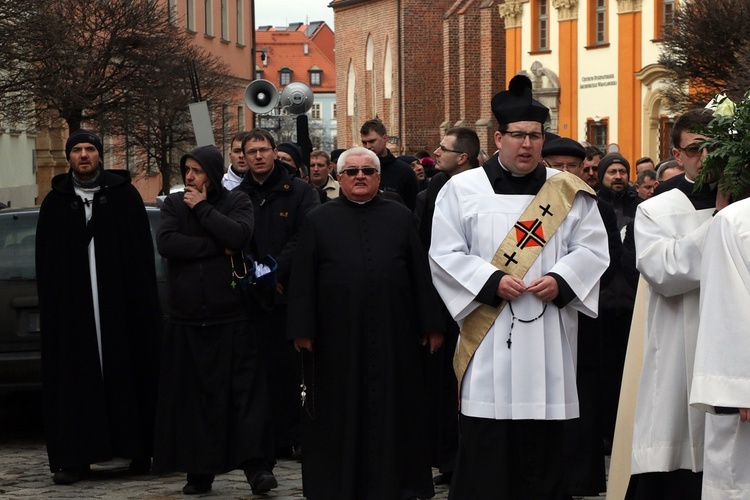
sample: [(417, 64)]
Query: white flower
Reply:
[(722, 106)]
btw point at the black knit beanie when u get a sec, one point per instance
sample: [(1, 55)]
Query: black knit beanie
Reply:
[(80, 136)]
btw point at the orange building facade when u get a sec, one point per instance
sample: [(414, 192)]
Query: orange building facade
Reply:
[(300, 53), (594, 64)]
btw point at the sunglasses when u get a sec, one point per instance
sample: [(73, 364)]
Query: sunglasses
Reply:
[(353, 171), (693, 150)]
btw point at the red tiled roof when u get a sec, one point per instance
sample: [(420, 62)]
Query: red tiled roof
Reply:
[(286, 49)]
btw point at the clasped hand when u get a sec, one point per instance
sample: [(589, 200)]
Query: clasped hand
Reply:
[(544, 288)]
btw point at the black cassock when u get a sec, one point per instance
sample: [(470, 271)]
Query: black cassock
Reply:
[(361, 287)]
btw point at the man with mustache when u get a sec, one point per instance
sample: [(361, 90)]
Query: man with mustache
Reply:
[(590, 166), (616, 304), (100, 318), (614, 172)]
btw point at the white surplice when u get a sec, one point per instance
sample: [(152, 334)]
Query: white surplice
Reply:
[(669, 237), (535, 377), (722, 358), (87, 197)]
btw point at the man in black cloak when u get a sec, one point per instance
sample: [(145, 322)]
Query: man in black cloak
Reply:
[(100, 317)]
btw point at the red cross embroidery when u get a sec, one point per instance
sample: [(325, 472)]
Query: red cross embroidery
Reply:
[(529, 234)]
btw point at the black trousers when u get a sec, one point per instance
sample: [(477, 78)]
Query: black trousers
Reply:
[(509, 459)]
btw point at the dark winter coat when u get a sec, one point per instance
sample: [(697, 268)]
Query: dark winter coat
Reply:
[(280, 205), (95, 412), (195, 242), (624, 203), (213, 414), (398, 177)]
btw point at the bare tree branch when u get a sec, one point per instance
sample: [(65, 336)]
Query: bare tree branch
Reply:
[(119, 65), (705, 49)]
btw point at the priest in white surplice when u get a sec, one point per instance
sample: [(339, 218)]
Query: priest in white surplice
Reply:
[(518, 382), (721, 380), (670, 229)]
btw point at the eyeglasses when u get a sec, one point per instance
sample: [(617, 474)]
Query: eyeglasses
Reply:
[(446, 150), (353, 171), (253, 152), (521, 136), (560, 166), (693, 150), (591, 169)]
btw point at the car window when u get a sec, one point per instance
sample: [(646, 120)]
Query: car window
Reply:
[(17, 246), (17, 240)]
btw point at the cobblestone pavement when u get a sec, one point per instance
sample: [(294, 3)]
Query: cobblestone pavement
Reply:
[(24, 471), (24, 474)]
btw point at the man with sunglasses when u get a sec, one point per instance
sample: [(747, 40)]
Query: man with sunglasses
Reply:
[(670, 231), (517, 251), (590, 168), (364, 405), (618, 299)]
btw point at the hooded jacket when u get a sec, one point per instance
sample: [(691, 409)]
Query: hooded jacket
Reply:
[(202, 289), (398, 177)]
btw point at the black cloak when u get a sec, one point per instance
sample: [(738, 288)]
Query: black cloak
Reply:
[(92, 413)]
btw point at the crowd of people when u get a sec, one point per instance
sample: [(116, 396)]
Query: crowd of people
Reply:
[(378, 316)]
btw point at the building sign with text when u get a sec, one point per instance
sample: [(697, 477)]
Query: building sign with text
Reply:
[(588, 82)]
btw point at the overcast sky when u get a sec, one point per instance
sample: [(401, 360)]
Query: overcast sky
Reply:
[(283, 12)]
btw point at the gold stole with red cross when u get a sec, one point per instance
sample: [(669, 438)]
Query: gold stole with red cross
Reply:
[(518, 250)]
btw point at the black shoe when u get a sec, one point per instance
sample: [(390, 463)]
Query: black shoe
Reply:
[(297, 452), (198, 483), (70, 476), (196, 488), (261, 481), (444, 478), (140, 466)]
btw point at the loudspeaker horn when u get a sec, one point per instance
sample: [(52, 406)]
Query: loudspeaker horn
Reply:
[(297, 98), (261, 96)]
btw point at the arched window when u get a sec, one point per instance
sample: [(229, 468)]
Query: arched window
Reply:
[(369, 49), (350, 89), (387, 72)]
